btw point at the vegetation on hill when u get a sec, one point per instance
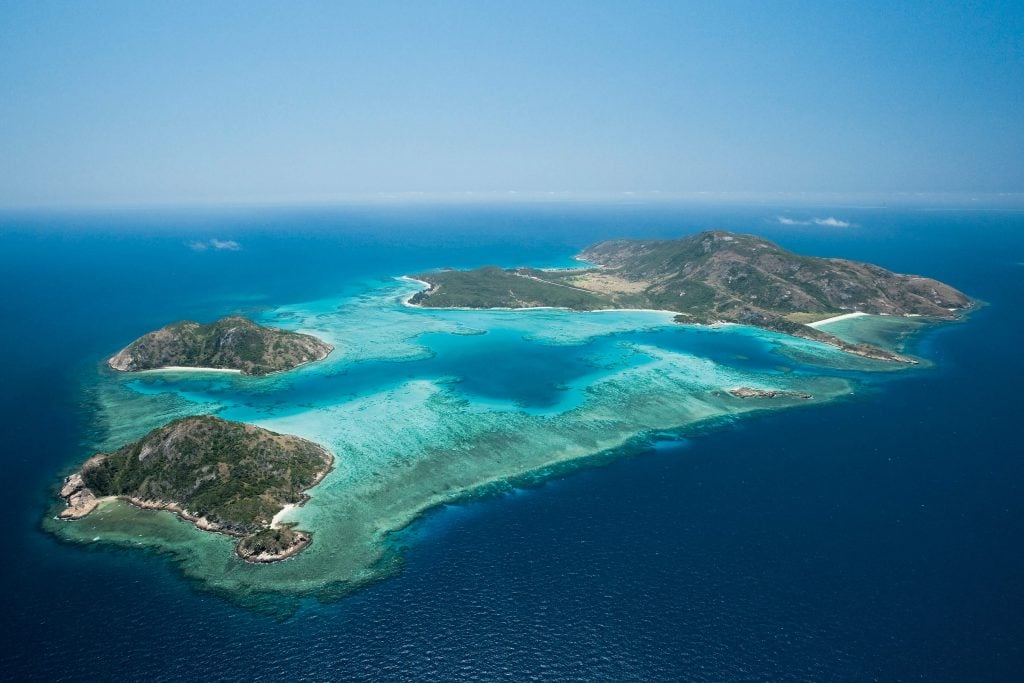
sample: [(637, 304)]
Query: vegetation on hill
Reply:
[(225, 476), (492, 287), (269, 545), (717, 272), (713, 276), (234, 343)]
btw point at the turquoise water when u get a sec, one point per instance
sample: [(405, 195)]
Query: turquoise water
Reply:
[(423, 407), (851, 536)]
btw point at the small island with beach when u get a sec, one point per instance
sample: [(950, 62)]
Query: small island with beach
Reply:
[(232, 343), (222, 476), (708, 278)]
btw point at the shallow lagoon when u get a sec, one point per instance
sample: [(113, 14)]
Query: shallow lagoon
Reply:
[(424, 407)]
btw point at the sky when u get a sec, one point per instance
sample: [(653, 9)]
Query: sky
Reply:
[(180, 102)]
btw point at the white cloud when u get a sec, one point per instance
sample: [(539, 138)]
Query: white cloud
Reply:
[(830, 222), (219, 245)]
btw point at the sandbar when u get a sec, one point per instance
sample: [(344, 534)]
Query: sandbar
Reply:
[(276, 521), (836, 318), (186, 368)]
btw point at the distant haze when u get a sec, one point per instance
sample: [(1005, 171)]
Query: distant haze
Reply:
[(180, 102)]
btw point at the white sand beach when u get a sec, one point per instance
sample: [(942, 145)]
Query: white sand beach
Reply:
[(185, 368), (836, 318), (276, 521)]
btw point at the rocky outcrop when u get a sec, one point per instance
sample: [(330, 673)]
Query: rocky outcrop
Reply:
[(749, 392), (273, 545), (79, 498)]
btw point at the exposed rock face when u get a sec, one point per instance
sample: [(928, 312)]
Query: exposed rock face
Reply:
[(81, 501), (223, 476), (272, 545), (749, 392), (711, 277), (234, 343)]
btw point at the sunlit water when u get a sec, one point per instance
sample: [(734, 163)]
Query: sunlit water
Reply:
[(601, 508), (423, 407)]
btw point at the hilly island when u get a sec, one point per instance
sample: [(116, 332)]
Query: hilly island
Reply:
[(232, 343), (711, 277), (223, 476), (453, 423)]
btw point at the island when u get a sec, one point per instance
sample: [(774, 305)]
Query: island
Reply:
[(232, 343), (423, 441), (708, 278), (750, 392), (228, 477)]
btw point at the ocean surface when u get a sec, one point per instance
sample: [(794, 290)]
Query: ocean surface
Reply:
[(875, 533)]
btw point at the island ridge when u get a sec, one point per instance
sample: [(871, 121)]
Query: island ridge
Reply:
[(711, 277), (232, 343)]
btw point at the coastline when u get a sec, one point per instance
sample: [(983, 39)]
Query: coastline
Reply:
[(528, 451), (275, 522), (237, 343), (300, 365), (378, 533), (401, 519), (835, 318), (81, 502), (679, 319), (186, 368), (406, 302)]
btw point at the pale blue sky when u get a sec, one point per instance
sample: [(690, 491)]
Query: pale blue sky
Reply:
[(179, 102)]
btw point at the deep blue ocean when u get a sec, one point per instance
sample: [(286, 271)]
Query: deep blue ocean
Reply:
[(879, 538)]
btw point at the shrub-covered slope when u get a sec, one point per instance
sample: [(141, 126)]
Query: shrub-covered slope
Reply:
[(234, 343), (713, 276), (224, 476)]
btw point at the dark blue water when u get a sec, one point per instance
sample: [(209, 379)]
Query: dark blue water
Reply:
[(881, 538)]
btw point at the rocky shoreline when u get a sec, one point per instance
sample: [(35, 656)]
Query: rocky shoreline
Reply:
[(286, 542), (271, 543), (750, 392), (79, 498), (81, 501)]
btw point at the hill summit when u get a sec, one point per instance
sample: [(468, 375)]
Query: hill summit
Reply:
[(232, 343), (713, 276)]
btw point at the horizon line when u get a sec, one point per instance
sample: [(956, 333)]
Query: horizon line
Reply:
[(962, 199)]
